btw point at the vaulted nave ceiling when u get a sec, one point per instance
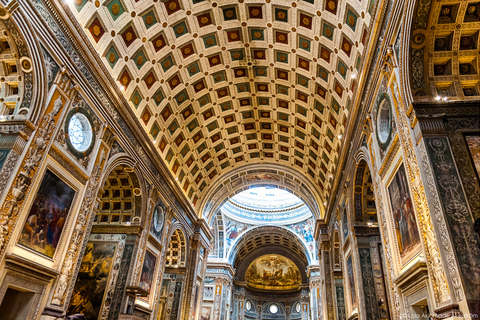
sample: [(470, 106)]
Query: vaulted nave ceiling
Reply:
[(218, 85)]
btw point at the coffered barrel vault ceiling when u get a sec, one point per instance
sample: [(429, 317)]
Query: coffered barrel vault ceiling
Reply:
[(220, 85)]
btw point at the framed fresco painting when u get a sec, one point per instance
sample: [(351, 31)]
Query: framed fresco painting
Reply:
[(273, 272), (401, 203), (148, 273), (93, 278), (351, 282), (48, 215), (473, 144), (158, 221)]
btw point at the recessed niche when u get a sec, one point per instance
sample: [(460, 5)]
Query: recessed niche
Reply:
[(468, 40), (442, 68), (445, 89), (443, 42), (467, 67), (448, 13), (16, 304), (470, 89), (472, 14)]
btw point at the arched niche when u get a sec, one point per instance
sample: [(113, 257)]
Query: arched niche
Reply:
[(121, 201), (363, 195), (176, 253)]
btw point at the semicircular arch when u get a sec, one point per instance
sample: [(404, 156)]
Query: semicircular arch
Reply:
[(253, 175)]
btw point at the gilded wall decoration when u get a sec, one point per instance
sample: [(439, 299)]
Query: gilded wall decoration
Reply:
[(430, 245), (273, 272), (406, 231), (48, 215), (14, 200), (460, 222)]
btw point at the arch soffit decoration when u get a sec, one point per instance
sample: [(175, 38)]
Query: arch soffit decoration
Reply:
[(290, 241), (252, 175), (177, 226), (448, 34), (122, 160), (229, 76), (30, 63)]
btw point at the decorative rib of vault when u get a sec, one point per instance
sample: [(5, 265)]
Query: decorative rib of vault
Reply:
[(217, 85)]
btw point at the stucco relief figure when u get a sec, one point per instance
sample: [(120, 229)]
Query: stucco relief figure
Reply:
[(273, 272), (406, 231)]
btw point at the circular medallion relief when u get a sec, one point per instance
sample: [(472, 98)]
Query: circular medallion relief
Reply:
[(384, 121), (273, 309), (80, 132)]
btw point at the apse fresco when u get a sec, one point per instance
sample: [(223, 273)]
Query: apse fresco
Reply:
[(148, 272), (88, 293), (48, 214), (406, 230), (233, 229), (273, 272), (305, 230), (473, 143)]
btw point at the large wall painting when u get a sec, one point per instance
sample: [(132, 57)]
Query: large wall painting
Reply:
[(148, 272), (273, 272), (473, 143), (158, 221), (351, 282), (89, 291), (47, 216), (406, 230)]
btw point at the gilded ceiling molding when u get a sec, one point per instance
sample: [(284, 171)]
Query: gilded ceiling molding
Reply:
[(430, 243)]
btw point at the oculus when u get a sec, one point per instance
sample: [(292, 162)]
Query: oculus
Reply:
[(80, 132), (273, 272), (384, 122), (273, 309)]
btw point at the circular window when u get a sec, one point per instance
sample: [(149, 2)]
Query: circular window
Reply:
[(384, 125), (297, 307), (248, 305), (273, 309), (80, 132)]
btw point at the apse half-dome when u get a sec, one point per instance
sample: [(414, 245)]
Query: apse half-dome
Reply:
[(273, 272), (266, 205)]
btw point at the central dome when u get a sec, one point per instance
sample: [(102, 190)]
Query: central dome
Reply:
[(266, 205)]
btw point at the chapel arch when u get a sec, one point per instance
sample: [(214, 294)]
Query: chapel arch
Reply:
[(363, 195), (121, 200)]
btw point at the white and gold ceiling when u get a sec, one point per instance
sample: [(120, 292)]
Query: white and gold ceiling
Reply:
[(221, 84)]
